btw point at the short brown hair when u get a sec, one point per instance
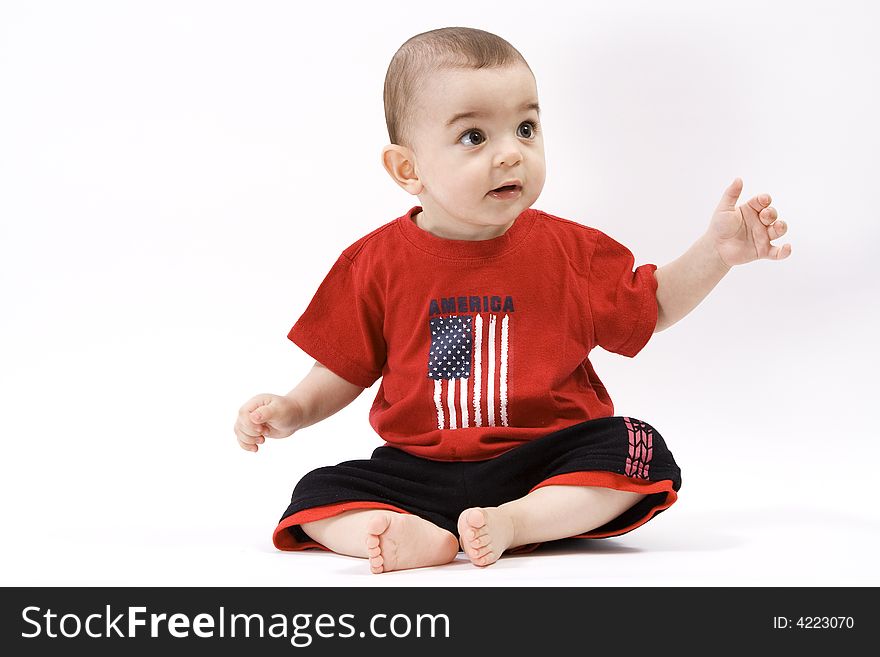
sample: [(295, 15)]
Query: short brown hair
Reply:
[(425, 53)]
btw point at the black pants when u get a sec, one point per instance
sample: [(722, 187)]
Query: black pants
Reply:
[(615, 452)]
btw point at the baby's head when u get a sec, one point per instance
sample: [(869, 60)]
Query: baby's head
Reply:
[(453, 162)]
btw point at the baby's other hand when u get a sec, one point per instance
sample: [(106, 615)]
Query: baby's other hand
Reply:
[(266, 416), (743, 233)]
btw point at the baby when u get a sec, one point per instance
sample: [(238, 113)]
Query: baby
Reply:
[(478, 312)]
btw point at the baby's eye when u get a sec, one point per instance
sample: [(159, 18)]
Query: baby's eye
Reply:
[(533, 128), (529, 133), (472, 131)]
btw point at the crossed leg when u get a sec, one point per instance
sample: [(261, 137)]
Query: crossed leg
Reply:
[(547, 513), (396, 541)]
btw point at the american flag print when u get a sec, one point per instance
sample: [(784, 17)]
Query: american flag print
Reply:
[(468, 363)]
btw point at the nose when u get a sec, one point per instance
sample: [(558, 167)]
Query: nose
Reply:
[(508, 153)]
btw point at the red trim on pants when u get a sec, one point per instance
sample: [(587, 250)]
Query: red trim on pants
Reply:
[(616, 482), (284, 540)]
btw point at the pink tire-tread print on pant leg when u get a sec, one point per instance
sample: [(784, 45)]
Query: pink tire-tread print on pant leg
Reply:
[(641, 437)]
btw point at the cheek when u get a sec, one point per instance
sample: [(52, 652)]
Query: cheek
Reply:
[(460, 178), (543, 175), (539, 171)]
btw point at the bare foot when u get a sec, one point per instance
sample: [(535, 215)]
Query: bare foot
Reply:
[(397, 541), (485, 534)]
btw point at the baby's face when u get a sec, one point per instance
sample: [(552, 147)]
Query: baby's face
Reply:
[(460, 160)]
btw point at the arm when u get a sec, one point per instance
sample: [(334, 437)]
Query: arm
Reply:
[(321, 394), (684, 282), (736, 235)]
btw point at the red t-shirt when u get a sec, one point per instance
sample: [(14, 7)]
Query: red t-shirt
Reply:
[(481, 345)]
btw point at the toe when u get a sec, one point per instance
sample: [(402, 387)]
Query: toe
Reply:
[(476, 518), (486, 560), (479, 541), (482, 552), (378, 523)]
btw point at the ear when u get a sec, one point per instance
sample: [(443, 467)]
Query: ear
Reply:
[(399, 162)]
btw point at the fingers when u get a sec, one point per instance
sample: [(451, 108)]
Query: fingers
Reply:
[(260, 412), (779, 252), (730, 196), (246, 447), (248, 427), (776, 228), (768, 216), (760, 204), (248, 433), (247, 441)]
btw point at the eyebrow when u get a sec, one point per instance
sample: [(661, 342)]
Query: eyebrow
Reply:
[(531, 105)]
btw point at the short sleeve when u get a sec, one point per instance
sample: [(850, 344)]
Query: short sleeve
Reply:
[(623, 301), (341, 328)]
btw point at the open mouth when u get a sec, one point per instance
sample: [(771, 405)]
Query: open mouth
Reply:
[(506, 188)]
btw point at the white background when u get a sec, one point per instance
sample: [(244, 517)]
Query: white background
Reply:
[(176, 178)]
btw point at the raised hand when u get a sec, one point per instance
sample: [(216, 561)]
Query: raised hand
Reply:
[(743, 233)]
